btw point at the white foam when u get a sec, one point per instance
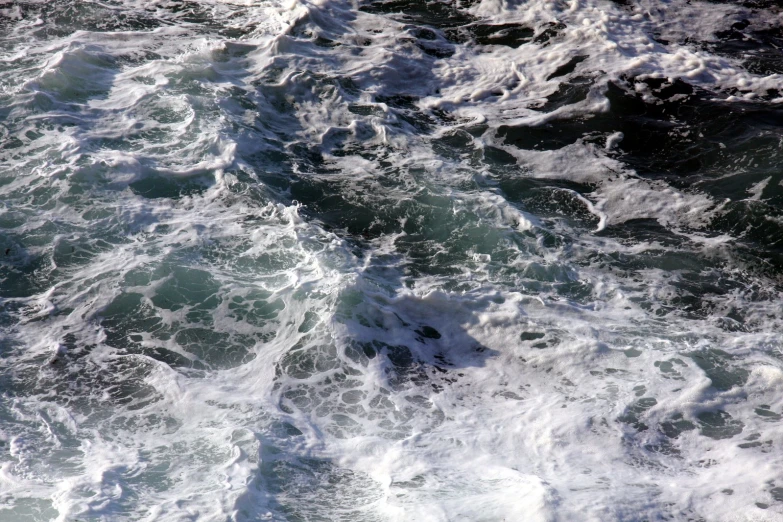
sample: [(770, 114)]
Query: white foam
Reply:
[(548, 352)]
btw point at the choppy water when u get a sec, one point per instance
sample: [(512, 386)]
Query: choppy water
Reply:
[(391, 260)]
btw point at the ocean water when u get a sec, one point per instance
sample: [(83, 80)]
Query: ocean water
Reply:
[(391, 260)]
